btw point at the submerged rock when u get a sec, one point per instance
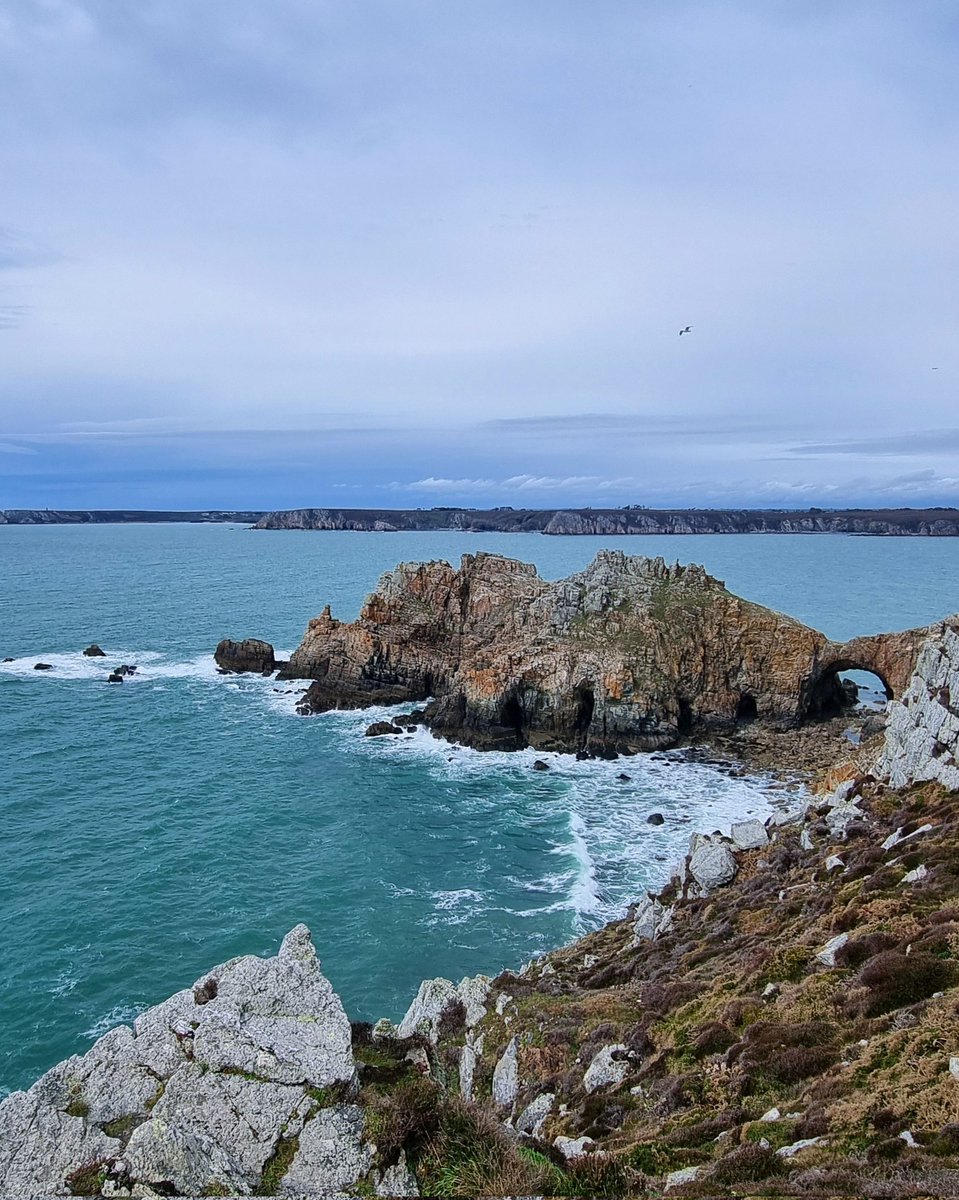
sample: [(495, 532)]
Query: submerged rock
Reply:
[(94, 651)]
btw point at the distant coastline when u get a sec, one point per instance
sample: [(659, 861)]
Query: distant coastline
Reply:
[(630, 520)]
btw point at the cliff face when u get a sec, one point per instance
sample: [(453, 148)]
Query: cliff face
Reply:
[(626, 655), (630, 520)]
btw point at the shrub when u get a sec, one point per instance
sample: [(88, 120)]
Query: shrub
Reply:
[(712, 1038), (895, 980), (859, 950), (452, 1020), (748, 1164), (87, 1180), (594, 1175), (410, 1113)]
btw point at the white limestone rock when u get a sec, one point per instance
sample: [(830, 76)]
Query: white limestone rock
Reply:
[(424, 1014), (398, 1180), (677, 1178), (713, 865), (40, 1145), (474, 993), (651, 921), (839, 819), (206, 1122), (469, 1056), (609, 1068), (573, 1147), (827, 955), (796, 1147), (749, 835), (531, 1119), (506, 1076), (331, 1155)]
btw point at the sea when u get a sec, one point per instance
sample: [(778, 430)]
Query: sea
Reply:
[(152, 829)]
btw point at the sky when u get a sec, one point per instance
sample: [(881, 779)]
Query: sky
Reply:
[(405, 253)]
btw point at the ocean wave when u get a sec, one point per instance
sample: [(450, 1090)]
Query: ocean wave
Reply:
[(120, 1014)]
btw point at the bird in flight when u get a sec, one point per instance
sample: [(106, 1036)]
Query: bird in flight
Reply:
[(688, 329)]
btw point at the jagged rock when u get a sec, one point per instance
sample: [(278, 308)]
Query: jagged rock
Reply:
[(840, 817), (398, 1180), (922, 728), (617, 657), (573, 1147), (210, 1127), (204, 1085), (917, 875), (898, 837), (652, 920), (384, 1030), (794, 1149), (712, 866), (40, 1145), (834, 863), (94, 651), (249, 655), (277, 1018), (473, 991), (749, 835), (772, 1114), (114, 677), (380, 728), (827, 955), (469, 1056), (506, 1076), (429, 1004), (332, 1155), (533, 1116), (609, 1068)]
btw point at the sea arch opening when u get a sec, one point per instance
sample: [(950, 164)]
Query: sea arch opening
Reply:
[(843, 685)]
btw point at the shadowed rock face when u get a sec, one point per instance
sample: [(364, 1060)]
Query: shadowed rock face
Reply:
[(627, 655)]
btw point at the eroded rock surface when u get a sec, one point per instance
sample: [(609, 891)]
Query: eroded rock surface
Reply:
[(630, 654), (251, 654), (199, 1093)]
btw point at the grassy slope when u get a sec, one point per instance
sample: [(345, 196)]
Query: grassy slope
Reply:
[(852, 1055)]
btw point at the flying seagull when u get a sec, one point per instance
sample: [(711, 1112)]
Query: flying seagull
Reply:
[(688, 329)]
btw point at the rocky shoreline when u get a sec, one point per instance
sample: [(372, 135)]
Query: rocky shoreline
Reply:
[(779, 1020)]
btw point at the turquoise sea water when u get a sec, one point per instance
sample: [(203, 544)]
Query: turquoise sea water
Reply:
[(150, 830)]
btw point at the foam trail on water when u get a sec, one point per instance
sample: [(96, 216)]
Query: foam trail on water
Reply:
[(584, 896)]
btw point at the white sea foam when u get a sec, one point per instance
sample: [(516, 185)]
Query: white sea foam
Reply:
[(120, 1014)]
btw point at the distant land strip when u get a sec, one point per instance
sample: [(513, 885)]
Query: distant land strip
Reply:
[(632, 519)]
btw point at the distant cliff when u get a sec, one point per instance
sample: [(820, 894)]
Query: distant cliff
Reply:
[(122, 516), (910, 522)]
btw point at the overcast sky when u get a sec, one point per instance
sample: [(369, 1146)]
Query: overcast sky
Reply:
[(272, 253)]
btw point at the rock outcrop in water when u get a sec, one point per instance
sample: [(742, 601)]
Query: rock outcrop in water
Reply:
[(630, 654), (249, 655)]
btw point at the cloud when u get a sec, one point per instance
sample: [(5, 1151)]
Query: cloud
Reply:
[(906, 444)]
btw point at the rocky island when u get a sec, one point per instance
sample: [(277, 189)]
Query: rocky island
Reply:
[(628, 655), (779, 1020)]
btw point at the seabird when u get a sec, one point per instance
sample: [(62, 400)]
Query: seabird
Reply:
[(688, 329)]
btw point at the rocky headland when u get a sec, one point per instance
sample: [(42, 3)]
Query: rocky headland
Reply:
[(628, 655), (632, 519), (779, 1020)]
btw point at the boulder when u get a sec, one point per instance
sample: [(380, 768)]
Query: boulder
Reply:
[(530, 1121), (94, 651), (539, 765), (827, 955), (114, 677), (609, 1068), (655, 819), (249, 655), (380, 728), (749, 835), (397, 1180), (712, 865), (573, 1147), (42, 666), (652, 920)]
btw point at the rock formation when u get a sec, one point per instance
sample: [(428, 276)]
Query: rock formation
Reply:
[(249, 655), (203, 1095), (630, 654), (922, 734)]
